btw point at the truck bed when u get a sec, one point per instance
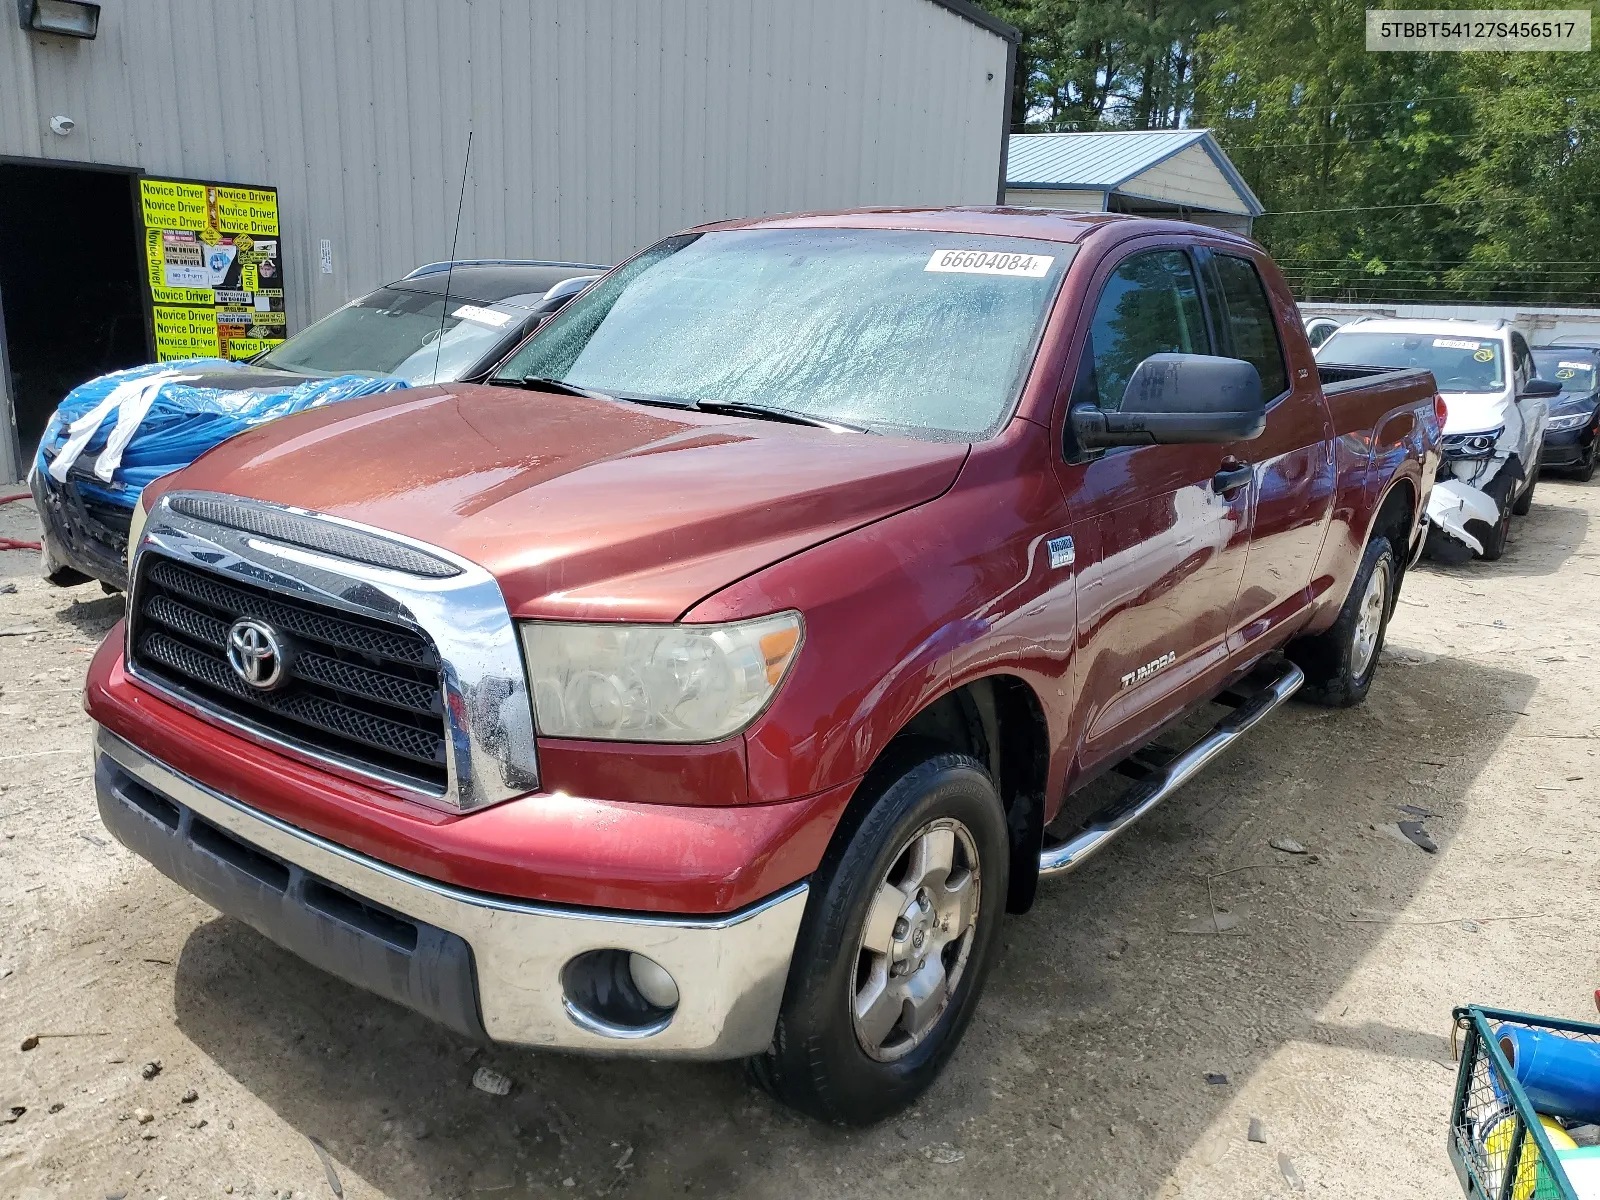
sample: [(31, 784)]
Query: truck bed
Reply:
[(1361, 397)]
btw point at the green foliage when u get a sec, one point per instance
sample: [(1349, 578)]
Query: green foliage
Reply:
[(1468, 177), (1105, 64)]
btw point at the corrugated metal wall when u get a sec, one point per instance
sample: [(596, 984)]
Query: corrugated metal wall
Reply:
[(598, 126)]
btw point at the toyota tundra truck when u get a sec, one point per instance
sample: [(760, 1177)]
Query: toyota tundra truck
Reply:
[(711, 681)]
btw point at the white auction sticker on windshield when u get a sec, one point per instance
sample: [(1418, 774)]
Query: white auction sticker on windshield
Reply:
[(1575, 366), (990, 262), (1454, 344), (483, 316)]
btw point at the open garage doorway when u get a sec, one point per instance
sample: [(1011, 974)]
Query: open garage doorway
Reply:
[(71, 289)]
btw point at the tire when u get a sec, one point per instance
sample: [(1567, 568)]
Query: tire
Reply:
[(1340, 662), (823, 1059), (1585, 471), (1525, 500), (1493, 537)]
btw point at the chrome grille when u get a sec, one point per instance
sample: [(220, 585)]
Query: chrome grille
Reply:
[(361, 690), (312, 621)]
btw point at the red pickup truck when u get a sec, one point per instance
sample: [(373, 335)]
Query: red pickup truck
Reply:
[(710, 682)]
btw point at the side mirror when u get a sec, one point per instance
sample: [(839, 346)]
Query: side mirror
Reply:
[(1541, 389), (1178, 398)]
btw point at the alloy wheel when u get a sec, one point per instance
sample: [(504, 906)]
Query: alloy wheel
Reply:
[(916, 941), (1369, 620)]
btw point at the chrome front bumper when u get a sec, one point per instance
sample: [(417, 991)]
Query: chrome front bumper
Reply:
[(730, 970)]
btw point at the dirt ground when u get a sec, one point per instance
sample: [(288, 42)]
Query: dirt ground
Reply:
[(1326, 1006)]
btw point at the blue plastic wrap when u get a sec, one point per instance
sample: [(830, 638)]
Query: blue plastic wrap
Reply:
[(1561, 1074), (183, 421)]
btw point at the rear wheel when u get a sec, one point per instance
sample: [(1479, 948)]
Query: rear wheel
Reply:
[(1339, 663), (899, 934)]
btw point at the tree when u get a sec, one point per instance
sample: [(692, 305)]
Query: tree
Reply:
[(1345, 152), (1105, 63), (1466, 176)]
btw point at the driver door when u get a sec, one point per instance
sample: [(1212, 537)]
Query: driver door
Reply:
[(1163, 529)]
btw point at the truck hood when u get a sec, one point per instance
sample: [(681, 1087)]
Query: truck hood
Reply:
[(1476, 412), (582, 509)]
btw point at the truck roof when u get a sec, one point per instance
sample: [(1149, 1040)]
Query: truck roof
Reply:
[(1040, 224)]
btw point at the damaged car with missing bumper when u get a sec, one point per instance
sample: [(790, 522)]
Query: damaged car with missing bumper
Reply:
[(712, 681), (1496, 411)]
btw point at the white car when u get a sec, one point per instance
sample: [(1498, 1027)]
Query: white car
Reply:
[(1320, 329), (1497, 409)]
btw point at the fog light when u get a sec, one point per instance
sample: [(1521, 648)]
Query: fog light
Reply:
[(618, 994), (653, 982)]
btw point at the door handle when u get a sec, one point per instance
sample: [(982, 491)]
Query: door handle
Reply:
[(1231, 479)]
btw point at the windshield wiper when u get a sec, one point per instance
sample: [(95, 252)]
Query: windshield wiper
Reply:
[(771, 412), (740, 408), (546, 383)]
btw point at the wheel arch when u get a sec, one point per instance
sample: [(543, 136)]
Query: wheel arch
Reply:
[(997, 719), (1395, 517)]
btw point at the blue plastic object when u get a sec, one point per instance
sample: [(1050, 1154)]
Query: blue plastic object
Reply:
[(183, 420), (1560, 1074)]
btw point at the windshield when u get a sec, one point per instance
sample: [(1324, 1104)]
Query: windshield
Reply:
[(1459, 364), (1574, 372), (898, 331), (394, 332)]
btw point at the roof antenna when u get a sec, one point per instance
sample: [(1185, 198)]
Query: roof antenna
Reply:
[(438, 342)]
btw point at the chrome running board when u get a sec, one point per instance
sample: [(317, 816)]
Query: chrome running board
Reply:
[(1157, 783)]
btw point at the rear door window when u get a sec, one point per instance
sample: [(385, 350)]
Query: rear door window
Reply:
[(1150, 305), (1250, 324)]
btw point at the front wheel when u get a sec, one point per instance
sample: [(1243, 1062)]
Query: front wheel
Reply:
[(1525, 501), (1585, 471), (899, 934), (1340, 662), (1493, 538)]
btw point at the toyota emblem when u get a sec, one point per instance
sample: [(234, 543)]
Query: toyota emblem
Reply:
[(256, 654)]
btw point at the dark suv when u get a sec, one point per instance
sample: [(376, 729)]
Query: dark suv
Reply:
[(1570, 442)]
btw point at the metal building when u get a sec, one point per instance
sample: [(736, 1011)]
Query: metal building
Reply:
[(1179, 173), (339, 130)]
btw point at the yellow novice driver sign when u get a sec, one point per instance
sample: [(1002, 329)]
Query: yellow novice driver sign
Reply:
[(214, 268)]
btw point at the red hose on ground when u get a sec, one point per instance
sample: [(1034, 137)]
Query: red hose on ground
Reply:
[(12, 543)]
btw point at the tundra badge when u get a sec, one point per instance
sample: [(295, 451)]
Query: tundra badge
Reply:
[(1149, 669), (1061, 552)]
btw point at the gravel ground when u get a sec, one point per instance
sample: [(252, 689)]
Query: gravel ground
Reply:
[(1327, 1006)]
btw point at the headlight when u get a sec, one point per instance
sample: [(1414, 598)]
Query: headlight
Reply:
[(1471, 445), (1568, 421), (656, 683), (135, 531)]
